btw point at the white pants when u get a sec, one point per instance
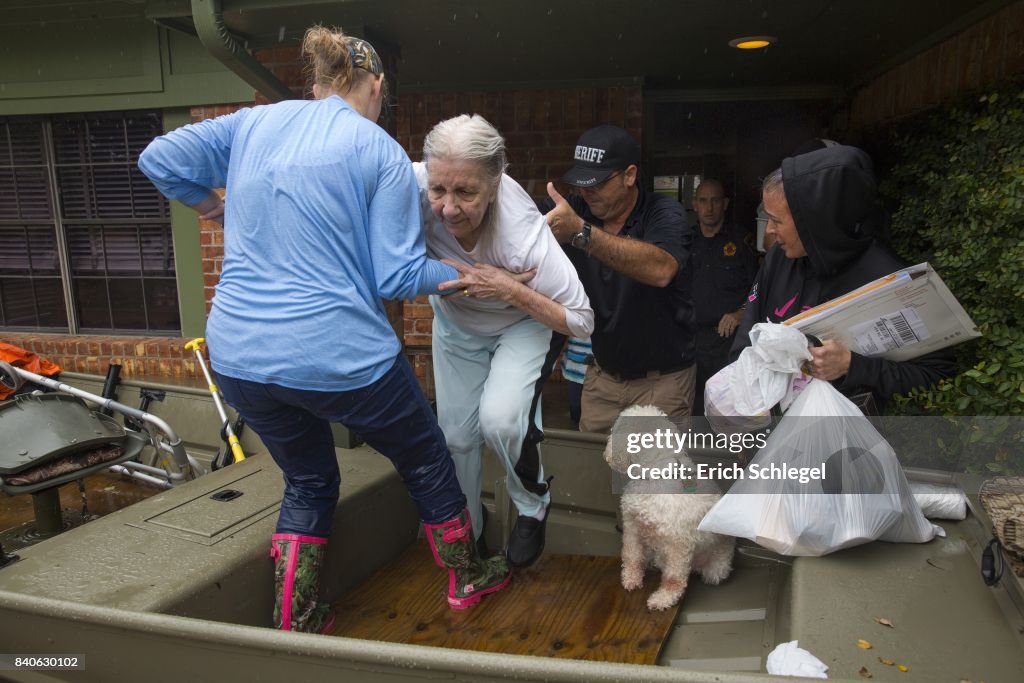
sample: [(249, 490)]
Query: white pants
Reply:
[(485, 388)]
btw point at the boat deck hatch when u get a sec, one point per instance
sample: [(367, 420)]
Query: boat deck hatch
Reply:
[(214, 514)]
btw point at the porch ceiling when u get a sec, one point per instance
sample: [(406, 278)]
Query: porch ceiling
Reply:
[(677, 44)]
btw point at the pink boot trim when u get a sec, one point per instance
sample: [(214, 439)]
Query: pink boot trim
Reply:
[(316, 540), (452, 532), (289, 571), (469, 601)]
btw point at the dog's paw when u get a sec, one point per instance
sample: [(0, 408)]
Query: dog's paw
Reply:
[(716, 575), (632, 579), (662, 599)]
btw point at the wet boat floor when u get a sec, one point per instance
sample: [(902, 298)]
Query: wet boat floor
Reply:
[(565, 606), (101, 494)]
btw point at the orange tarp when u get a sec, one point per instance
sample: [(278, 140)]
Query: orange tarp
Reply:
[(26, 360)]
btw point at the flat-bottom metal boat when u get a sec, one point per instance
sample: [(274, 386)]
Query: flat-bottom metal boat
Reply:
[(179, 587)]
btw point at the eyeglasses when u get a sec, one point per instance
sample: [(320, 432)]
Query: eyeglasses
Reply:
[(603, 182)]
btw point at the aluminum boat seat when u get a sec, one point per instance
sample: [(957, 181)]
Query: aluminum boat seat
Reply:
[(59, 434)]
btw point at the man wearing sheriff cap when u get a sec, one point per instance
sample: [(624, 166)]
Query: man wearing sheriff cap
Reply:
[(631, 250)]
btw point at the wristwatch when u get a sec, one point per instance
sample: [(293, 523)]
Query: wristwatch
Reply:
[(581, 240)]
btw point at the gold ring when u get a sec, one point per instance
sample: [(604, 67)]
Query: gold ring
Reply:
[(465, 292)]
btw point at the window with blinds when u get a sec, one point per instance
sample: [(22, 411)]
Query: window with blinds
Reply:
[(80, 224)]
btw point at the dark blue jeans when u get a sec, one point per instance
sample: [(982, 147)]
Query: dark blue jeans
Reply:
[(392, 415)]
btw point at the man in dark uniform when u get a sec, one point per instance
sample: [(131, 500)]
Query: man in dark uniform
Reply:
[(724, 265), (630, 248)]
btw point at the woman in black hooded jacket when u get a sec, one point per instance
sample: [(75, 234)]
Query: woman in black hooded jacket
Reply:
[(824, 213)]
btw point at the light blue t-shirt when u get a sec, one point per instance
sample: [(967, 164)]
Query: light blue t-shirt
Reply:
[(322, 221)]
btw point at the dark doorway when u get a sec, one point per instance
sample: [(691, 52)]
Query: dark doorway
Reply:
[(738, 142)]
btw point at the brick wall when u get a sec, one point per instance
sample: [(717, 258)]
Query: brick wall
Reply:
[(286, 64), (986, 53), (211, 250), (150, 356)]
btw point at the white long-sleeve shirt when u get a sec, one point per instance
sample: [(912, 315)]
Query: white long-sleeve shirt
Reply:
[(516, 237)]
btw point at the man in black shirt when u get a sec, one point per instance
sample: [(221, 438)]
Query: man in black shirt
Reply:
[(630, 248), (724, 265)]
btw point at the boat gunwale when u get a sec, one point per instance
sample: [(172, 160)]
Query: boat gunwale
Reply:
[(352, 652)]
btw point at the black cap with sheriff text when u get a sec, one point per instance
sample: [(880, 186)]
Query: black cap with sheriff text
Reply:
[(599, 153)]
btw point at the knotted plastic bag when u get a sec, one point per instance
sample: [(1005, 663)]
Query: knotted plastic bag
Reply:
[(765, 374)]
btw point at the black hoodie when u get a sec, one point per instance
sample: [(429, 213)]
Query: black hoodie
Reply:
[(831, 194)]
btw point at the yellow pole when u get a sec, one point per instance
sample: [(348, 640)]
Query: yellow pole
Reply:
[(236, 447)]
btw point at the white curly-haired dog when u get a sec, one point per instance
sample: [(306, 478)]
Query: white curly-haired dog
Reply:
[(659, 519)]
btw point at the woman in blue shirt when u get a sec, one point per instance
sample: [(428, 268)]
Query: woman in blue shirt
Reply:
[(324, 221)]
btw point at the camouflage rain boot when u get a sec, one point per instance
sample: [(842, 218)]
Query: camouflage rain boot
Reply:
[(297, 561), (470, 577)]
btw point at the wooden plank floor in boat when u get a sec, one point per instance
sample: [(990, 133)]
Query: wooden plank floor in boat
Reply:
[(566, 606)]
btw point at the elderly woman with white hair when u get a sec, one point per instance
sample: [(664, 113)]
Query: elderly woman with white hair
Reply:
[(491, 337)]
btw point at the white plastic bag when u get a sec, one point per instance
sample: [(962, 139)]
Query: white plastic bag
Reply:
[(940, 502), (762, 376), (854, 489), (788, 659)]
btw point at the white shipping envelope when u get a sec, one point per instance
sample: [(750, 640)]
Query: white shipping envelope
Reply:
[(900, 316)]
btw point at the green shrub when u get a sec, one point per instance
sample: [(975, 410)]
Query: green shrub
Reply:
[(957, 178)]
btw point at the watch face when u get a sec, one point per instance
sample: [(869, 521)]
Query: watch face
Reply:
[(581, 240)]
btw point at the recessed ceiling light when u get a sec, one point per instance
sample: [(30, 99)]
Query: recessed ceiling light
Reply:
[(752, 42)]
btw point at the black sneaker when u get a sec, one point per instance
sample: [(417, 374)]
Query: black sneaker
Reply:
[(527, 540)]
